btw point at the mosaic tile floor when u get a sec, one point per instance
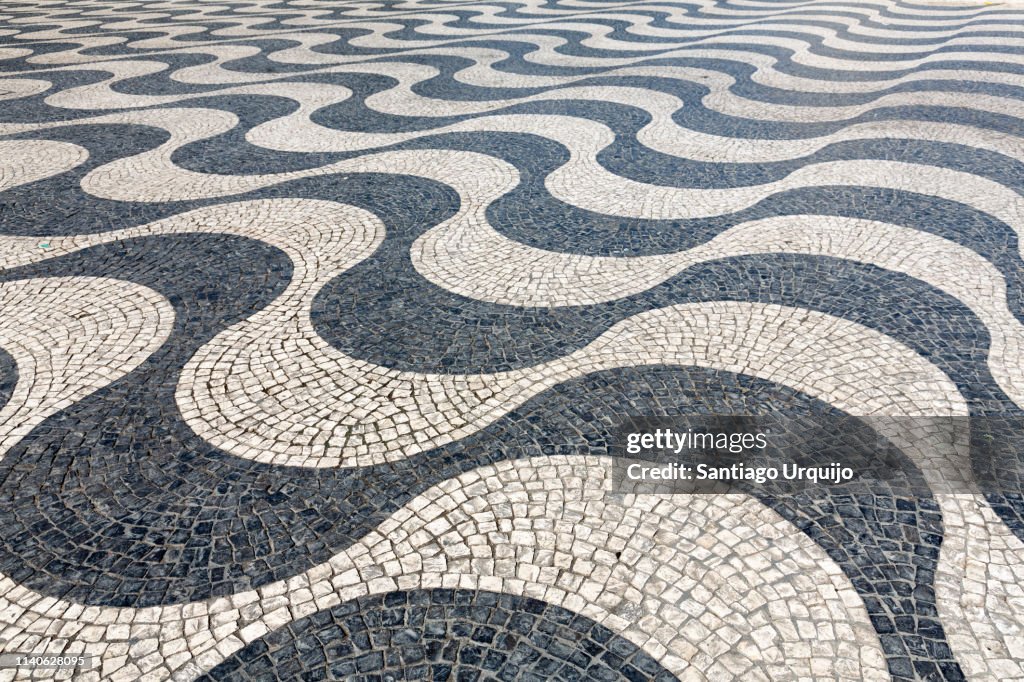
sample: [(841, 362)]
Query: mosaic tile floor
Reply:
[(317, 319)]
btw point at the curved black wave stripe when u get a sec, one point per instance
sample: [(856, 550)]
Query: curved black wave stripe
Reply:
[(445, 332), (442, 635)]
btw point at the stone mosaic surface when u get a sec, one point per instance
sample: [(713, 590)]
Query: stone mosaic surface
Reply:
[(317, 320)]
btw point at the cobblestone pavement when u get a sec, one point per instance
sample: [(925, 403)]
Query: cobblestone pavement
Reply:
[(317, 320)]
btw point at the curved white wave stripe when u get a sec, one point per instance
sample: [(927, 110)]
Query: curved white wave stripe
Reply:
[(323, 239), (697, 562), (257, 393), (25, 161), (70, 336), (296, 132), (471, 259), (582, 182)]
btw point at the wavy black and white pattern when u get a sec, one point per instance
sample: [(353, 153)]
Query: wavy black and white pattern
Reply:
[(317, 319)]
